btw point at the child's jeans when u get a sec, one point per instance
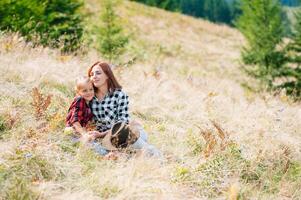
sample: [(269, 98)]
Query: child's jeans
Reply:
[(93, 145)]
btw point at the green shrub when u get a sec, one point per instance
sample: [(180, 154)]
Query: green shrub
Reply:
[(53, 23)]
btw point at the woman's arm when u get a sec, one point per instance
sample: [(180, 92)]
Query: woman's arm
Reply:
[(98, 134), (123, 110)]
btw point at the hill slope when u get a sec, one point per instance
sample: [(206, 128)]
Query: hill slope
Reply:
[(186, 76)]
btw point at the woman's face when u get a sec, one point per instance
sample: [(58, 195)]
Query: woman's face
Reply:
[(98, 77)]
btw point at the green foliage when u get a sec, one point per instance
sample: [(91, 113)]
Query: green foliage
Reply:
[(195, 142), (69, 146), (291, 2), (291, 73), (62, 24), (211, 174), (112, 39), (268, 174), (182, 174), (287, 21), (21, 15), (214, 10), (294, 171), (19, 188), (22, 169), (261, 25), (109, 191), (3, 125), (54, 23), (165, 4), (217, 11), (276, 66)]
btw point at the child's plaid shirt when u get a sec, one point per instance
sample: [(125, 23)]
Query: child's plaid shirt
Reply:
[(79, 111)]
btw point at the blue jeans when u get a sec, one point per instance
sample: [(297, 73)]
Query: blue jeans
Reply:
[(95, 146), (143, 145)]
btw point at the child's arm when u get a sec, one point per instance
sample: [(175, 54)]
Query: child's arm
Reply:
[(85, 136), (83, 132), (79, 129)]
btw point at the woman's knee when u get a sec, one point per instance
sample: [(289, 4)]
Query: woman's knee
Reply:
[(143, 135)]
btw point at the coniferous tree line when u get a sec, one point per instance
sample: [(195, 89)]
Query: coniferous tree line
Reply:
[(290, 2), (222, 11), (213, 10)]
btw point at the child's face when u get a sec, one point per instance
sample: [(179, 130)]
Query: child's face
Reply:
[(86, 91)]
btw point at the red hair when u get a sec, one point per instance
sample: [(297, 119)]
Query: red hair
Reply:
[(112, 82)]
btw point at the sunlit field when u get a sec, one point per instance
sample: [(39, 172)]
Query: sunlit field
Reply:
[(221, 138)]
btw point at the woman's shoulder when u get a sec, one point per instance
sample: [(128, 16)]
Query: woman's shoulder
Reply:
[(119, 93)]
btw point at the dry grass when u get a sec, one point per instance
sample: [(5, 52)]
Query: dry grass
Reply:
[(186, 76)]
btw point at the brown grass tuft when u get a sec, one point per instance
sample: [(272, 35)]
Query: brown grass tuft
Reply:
[(40, 103)]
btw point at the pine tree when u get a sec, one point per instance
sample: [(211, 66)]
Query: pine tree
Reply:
[(291, 73), (111, 37), (261, 25)]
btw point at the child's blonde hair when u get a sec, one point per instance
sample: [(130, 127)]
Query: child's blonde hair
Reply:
[(80, 81)]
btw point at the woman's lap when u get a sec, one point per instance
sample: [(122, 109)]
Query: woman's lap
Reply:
[(140, 144)]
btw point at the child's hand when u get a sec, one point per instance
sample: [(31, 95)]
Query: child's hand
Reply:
[(93, 134), (87, 138), (84, 138)]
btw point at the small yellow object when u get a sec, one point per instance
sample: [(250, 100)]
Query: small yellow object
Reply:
[(68, 131), (233, 192)]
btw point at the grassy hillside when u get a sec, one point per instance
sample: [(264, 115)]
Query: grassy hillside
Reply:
[(220, 140)]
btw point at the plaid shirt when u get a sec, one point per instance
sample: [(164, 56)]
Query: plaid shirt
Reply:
[(79, 111), (111, 109)]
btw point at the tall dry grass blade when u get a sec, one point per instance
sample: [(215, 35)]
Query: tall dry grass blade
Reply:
[(222, 134), (210, 143)]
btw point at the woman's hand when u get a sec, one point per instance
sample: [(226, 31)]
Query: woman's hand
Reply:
[(97, 134)]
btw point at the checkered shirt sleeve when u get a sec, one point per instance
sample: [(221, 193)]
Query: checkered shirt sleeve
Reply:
[(123, 112)]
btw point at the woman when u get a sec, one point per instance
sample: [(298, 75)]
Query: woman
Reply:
[(110, 104)]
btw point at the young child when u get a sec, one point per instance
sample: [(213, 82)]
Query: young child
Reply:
[(79, 114)]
